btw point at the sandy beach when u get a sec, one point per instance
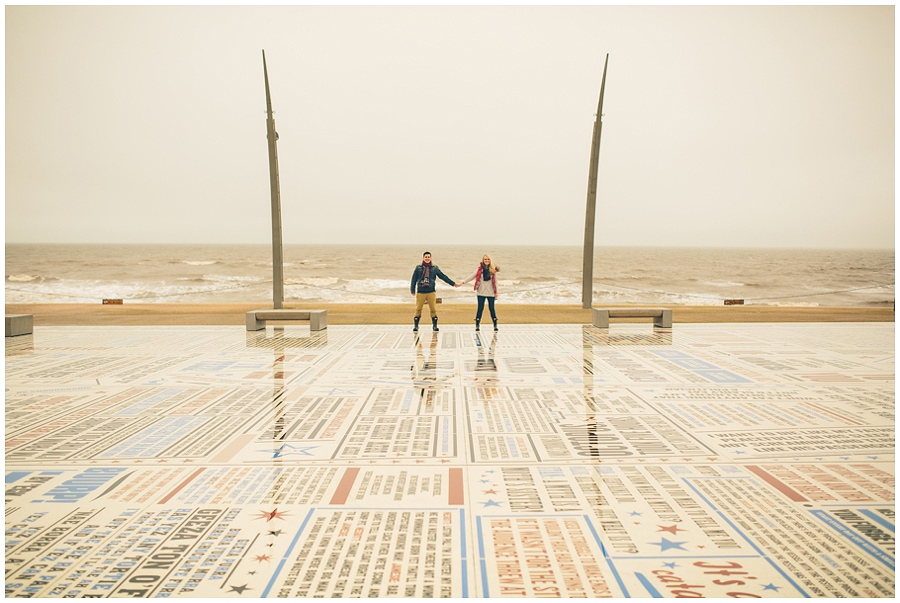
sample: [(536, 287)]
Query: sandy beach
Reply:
[(361, 314)]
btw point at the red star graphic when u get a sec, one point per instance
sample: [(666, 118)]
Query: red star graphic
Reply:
[(270, 515), (261, 558), (673, 529), (490, 491)]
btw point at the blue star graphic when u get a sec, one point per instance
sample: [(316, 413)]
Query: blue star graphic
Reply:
[(491, 503), (771, 586), (636, 513), (670, 565), (667, 544), (302, 450)]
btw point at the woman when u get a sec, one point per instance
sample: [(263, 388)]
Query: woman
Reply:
[(485, 288)]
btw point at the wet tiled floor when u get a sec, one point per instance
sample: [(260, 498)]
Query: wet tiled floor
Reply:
[(739, 460)]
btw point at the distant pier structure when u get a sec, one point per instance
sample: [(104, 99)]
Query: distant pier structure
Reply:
[(587, 286), (275, 187)]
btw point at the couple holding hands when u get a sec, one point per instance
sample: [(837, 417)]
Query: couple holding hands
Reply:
[(425, 277)]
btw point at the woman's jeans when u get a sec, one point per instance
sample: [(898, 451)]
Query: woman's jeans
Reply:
[(490, 300)]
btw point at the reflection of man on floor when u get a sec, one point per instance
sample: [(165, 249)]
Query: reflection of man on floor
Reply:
[(424, 371)]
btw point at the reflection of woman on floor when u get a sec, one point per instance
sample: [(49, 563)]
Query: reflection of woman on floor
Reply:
[(486, 381), (486, 356), (485, 288)]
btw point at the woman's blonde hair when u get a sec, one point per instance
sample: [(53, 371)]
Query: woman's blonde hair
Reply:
[(493, 268)]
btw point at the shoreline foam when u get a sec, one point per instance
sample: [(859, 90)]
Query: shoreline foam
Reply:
[(61, 314)]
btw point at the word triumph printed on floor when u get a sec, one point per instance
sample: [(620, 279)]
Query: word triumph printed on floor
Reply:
[(739, 460)]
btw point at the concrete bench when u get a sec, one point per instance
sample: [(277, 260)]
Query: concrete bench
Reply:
[(19, 324), (662, 317), (256, 319)]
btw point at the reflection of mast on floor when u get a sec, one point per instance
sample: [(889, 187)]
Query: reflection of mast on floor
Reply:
[(587, 368), (278, 341)]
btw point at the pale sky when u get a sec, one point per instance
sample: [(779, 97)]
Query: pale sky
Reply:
[(759, 126)]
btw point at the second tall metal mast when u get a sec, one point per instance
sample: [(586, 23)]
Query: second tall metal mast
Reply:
[(587, 285)]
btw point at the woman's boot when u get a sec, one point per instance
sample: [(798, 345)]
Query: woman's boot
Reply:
[(495, 324), (477, 324), (415, 324), (434, 324)]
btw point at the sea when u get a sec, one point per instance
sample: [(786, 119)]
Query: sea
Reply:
[(138, 273)]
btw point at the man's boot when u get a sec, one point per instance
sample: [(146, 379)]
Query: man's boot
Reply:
[(477, 324), (495, 324), (415, 324), (434, 323)]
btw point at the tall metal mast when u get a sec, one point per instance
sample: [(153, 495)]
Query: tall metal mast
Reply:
[(587, 285), (277, 254)]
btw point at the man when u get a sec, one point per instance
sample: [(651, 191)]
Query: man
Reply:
[(422, 285)]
